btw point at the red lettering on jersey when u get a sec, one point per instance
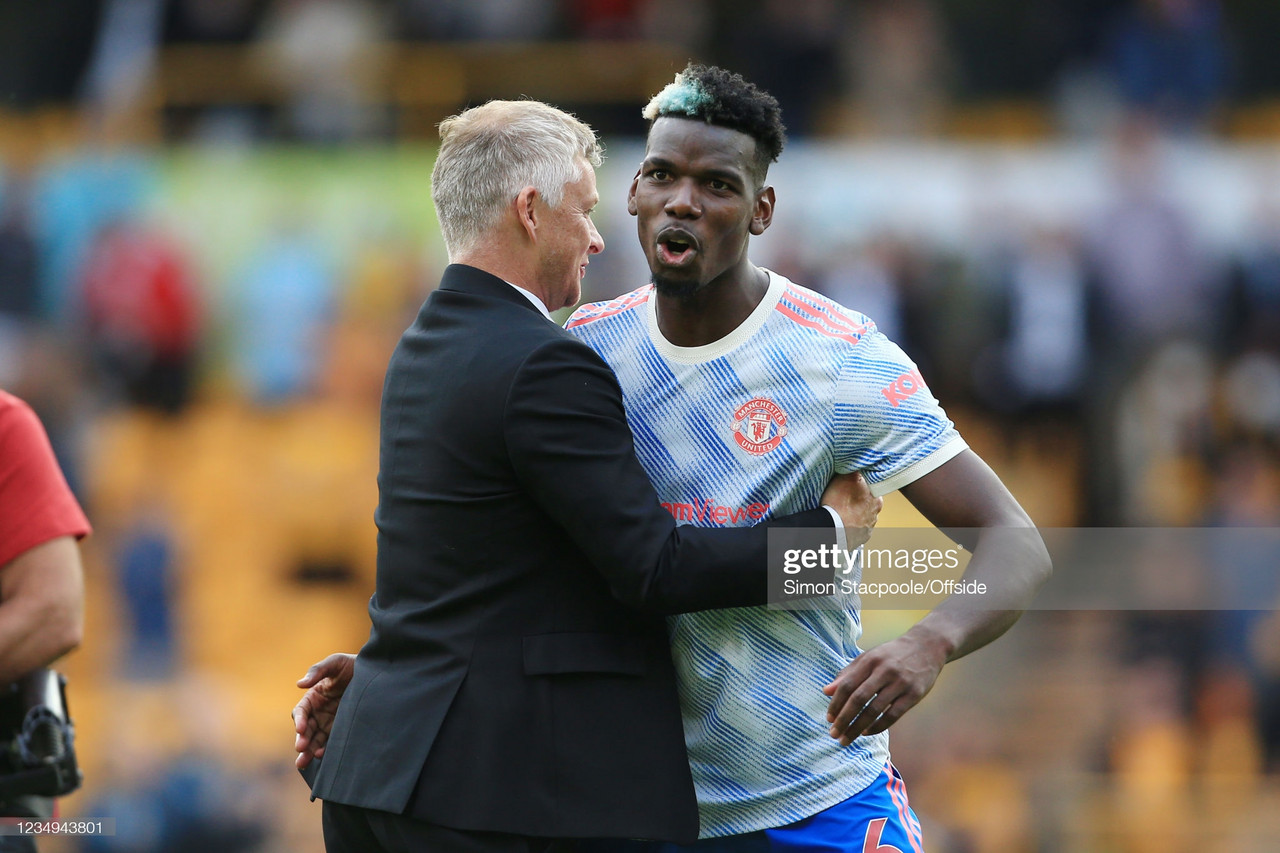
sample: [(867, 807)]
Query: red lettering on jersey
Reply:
[(706, 510), (903, 387)]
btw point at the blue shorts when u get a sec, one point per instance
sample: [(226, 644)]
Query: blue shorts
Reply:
[(877, 819)]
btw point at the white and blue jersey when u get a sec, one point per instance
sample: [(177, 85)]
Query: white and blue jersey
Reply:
[(746, 428)]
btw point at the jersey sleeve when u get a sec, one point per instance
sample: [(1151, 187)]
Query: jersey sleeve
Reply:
[(887, 423), (36, 505)]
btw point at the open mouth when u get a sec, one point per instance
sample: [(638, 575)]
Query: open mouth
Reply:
[(676, 247)]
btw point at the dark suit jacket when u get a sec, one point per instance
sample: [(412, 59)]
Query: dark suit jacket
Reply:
[(517, 677)]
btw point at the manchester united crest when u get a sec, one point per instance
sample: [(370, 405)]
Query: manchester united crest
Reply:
[(759, 426)]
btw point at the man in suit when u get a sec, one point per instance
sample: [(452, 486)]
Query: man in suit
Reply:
[(517, 690)]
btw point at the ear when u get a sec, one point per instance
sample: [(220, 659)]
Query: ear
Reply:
[(762, 218), (632, 207), (527, 213)]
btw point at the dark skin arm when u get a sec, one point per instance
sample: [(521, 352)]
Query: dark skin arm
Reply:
[(314, 713), (880, 685)]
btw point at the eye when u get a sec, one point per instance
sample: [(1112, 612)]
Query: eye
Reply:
[(719, 185), (659, 174)]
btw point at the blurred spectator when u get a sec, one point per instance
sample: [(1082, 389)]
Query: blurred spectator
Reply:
[(899, 65), (1256, 291), (1251, 396), (19, 260), (282, 316), (142, 314), (1161, 429), (864, 278), (191, 805), (145, 562), (325, 54), (1041, 363), (603, 19), (1169, 59), (1153, 279), (73, 199)]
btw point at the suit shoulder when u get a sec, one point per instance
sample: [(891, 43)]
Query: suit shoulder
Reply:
[(558, 348), (595, 312)]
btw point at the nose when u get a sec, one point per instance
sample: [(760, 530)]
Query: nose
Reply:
[(597, 242), (683, 202)]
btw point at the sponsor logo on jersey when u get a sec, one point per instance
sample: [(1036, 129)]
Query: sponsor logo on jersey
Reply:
[(759, 425), (903, 387), (706, 511)]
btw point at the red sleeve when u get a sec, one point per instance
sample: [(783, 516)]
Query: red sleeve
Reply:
[(36, 504)]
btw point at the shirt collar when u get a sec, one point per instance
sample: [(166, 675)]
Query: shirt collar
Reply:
[(537, 303)]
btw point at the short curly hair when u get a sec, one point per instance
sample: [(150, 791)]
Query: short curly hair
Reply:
[(723, 98)]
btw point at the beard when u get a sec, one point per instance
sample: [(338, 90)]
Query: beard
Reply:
[(673, 289)]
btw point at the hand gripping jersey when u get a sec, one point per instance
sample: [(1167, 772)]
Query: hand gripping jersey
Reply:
[(749, 427)]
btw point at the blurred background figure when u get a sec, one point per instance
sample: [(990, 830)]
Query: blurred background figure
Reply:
[(142, 317), (324, 56), (1169, 58), (283, 313), (899, 66)]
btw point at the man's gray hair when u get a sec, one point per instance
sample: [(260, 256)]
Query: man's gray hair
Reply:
[(488, 154)]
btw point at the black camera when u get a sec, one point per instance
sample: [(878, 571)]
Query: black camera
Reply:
[(37, 753)]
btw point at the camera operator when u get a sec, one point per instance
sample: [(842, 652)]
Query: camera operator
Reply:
[(41, 579)]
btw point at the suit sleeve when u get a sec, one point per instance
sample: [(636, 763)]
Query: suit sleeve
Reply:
[(568, 439)]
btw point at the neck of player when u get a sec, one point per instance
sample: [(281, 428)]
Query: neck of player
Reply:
[(715, 310)]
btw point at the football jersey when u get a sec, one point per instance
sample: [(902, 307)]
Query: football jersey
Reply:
[(748, 427)]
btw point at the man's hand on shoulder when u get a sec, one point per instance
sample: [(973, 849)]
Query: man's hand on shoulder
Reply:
[(313, 716), (850, 496), (881, 684)]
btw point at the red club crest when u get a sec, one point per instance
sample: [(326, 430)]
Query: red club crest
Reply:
[(759, 426)]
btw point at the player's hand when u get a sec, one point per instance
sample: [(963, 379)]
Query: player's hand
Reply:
[(881, 684), (314, 713), (850, 496)]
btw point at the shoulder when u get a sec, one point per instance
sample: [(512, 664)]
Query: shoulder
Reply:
[(20, 429), (601, 312), (562, 374), (560, 350), (809, 313), (866, 357)]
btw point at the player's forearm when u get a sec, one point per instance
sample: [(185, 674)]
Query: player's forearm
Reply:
[(1012, 564)]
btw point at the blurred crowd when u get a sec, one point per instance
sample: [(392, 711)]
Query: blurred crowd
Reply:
[(838, 66), (190, 325)]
